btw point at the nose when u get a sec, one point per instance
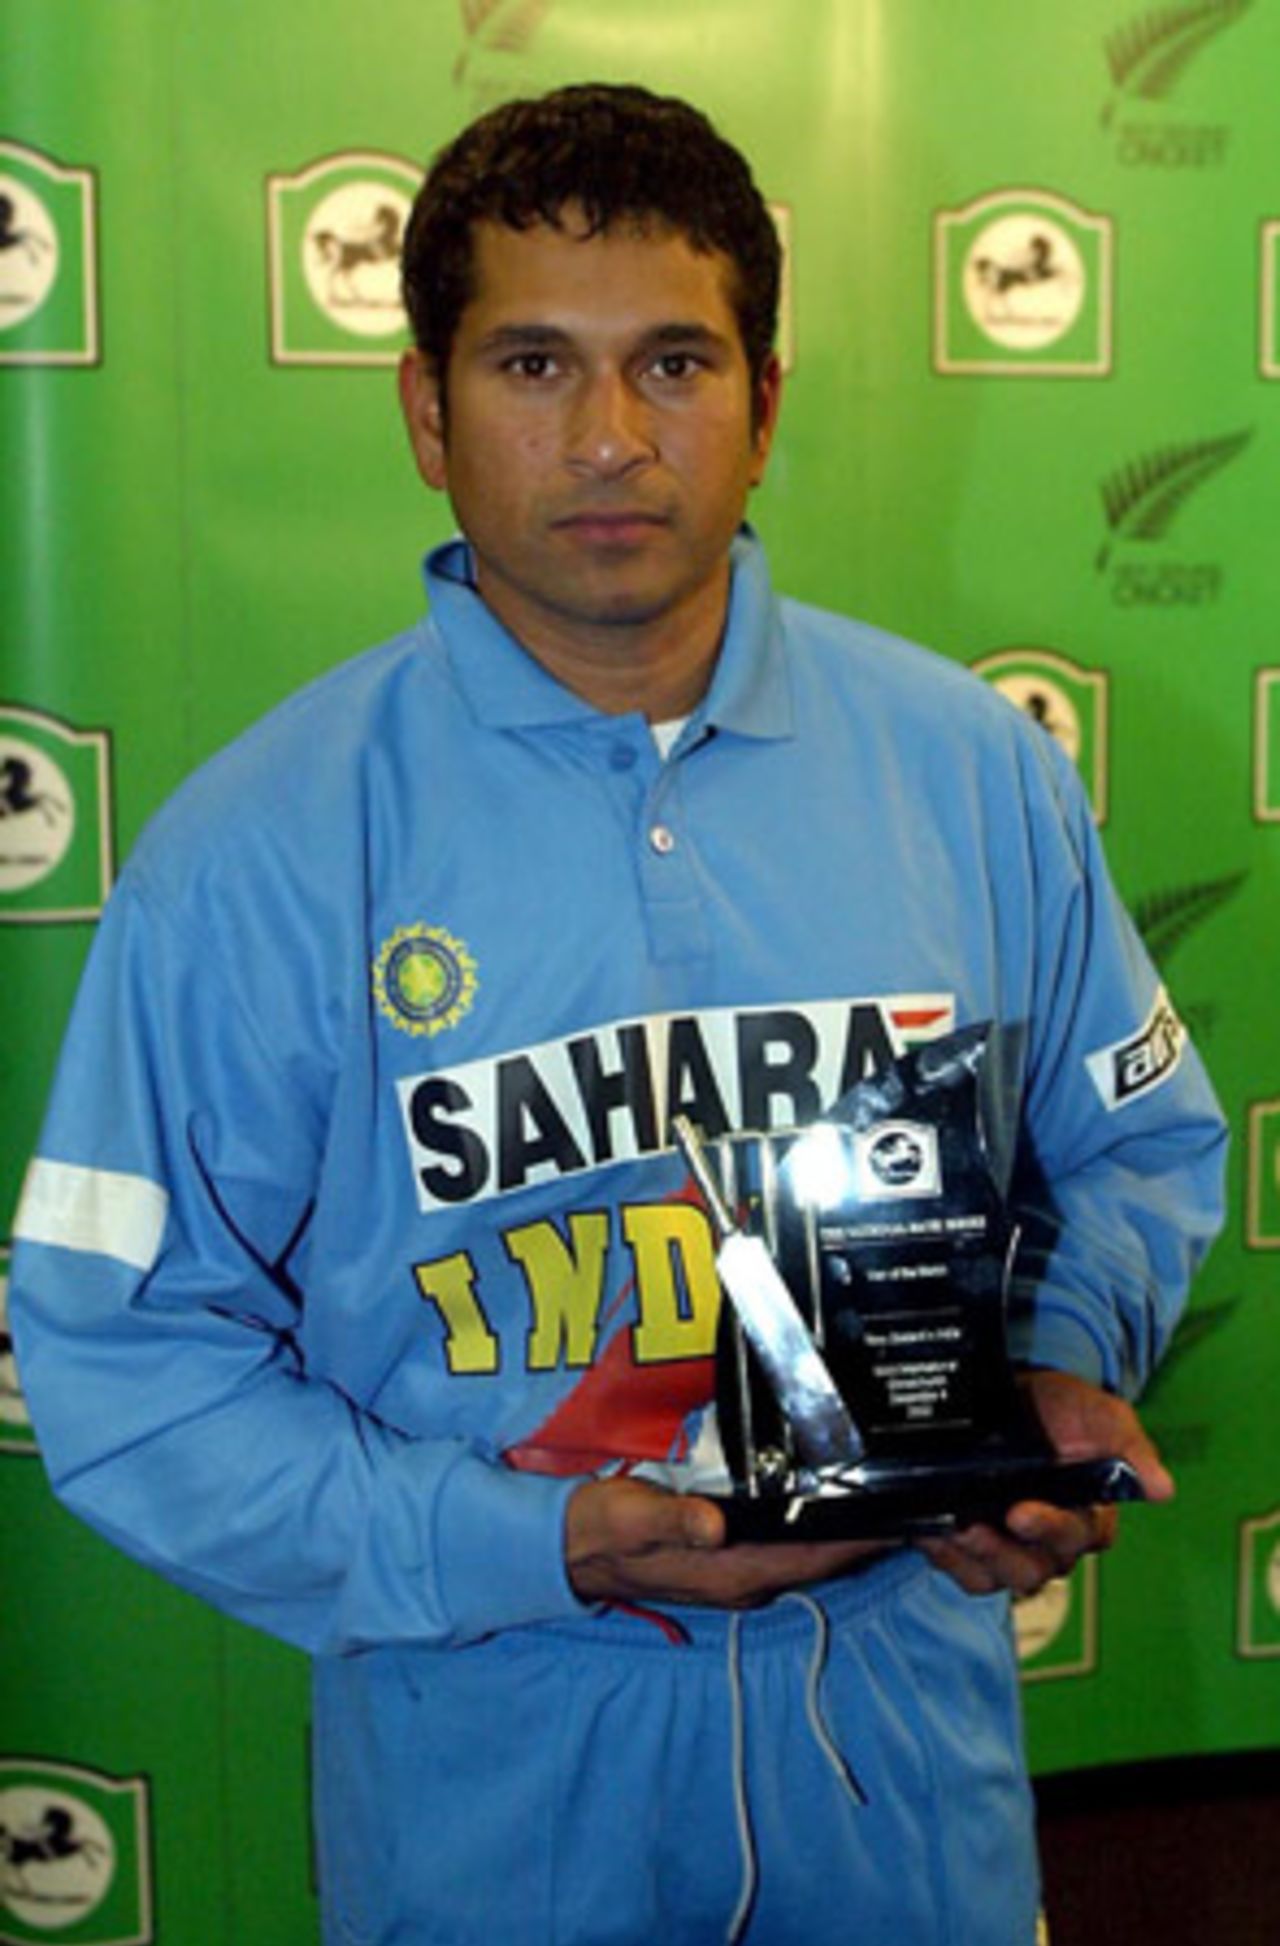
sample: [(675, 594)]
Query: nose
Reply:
[(610, 429)]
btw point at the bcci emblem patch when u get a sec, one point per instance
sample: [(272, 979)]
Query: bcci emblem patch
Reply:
[(74, 1856), (335, 232), (1022, 284), (424, 979)]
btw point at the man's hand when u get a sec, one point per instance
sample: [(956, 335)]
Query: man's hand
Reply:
[(1039, 1542), (626, 1540)]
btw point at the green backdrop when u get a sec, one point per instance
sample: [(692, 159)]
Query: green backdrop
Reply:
[(1033, 419)]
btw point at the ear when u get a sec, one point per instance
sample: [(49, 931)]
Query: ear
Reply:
[(768, 404), (422, 402)]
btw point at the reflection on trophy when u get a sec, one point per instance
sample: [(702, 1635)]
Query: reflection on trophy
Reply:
[(864, 1385)]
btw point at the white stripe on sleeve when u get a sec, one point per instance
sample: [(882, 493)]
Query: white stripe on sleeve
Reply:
[(98, 1210)]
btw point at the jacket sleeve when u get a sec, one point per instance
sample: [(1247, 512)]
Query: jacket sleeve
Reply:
[(1118, 1182), (155, 1319)]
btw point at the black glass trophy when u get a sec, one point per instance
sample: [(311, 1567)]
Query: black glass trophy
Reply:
[(864, 1386)]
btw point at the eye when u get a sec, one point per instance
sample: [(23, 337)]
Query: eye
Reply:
[(532, 365), (676, 365)]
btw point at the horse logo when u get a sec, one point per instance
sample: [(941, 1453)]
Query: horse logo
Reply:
[(28, 252), (336, 230), (15, 1420), (1022, 283), (1066, 700), (48, 268), (74, 1855), (37, 815), (55, 818), (352, 258)]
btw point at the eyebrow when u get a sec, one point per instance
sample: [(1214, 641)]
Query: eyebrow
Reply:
[(545, 337), (523, 337)]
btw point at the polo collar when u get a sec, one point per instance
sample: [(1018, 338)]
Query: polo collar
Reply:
[(506, 689)]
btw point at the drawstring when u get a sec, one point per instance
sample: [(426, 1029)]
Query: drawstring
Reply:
[(813, 1700), (844, 1774), (741, 1811)]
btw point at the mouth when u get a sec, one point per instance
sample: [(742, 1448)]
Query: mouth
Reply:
[(621, 527)]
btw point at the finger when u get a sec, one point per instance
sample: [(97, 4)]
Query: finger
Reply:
[(983, 1559), (1063, 1535), (966, 1569), (1156, 1480), (701, 1523), (624, 1518), (645, 1518)]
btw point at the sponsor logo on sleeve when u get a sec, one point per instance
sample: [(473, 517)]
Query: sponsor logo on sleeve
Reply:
[(1065, 698), (48, 261), (1132, 1068), (334, 230), (1258, 1607), (1022, 287), (74, 1856), (55, 819), (1056, 1629)]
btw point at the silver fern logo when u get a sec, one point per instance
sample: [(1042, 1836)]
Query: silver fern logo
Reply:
[(1147, 58), (1168, 1398), (1165, 919), (498, 37), (1142, 501)]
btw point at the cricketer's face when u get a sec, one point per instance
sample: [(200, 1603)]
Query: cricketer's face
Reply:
[(597, 432)]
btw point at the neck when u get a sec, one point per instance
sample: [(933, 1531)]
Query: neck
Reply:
[(659, 666)]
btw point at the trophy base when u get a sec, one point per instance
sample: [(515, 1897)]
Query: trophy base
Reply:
[(898, 1500)]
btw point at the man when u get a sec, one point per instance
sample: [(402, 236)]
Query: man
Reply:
[(360, 1290)]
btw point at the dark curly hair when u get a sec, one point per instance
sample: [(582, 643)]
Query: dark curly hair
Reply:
[(618, 154)]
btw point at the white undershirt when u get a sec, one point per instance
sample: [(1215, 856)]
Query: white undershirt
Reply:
[(665, 734)]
